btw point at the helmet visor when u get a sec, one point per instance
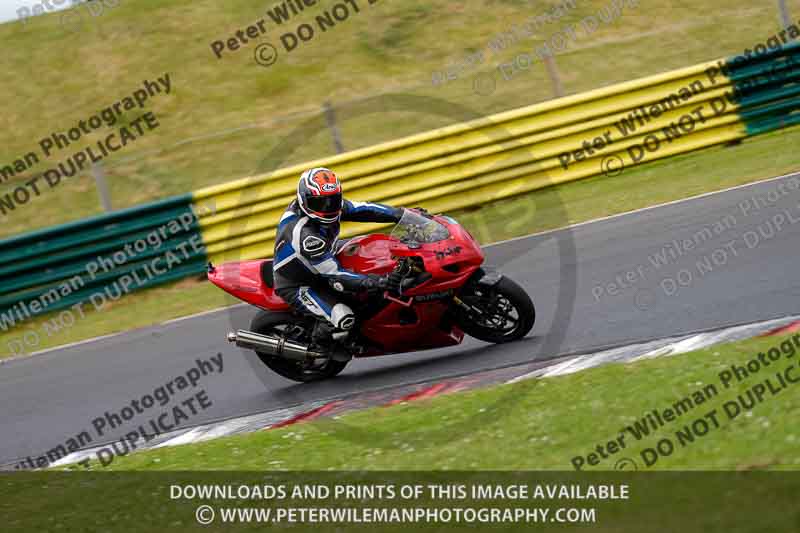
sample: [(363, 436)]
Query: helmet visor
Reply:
[(329, 204)]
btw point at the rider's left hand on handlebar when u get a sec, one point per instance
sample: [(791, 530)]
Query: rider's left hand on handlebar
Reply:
[(393, 282), (374, 282)]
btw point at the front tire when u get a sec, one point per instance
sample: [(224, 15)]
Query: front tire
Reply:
[(506, 312), (287, 325)]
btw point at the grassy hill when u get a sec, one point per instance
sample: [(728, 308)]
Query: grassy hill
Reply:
[(223, 116)]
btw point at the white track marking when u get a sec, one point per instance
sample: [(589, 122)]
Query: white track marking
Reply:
[(208, 431), (659, 348)]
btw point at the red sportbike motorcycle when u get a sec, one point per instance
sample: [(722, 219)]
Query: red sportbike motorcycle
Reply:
[(443, 294)]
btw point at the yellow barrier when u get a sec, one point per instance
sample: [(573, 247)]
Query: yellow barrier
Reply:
[(491, 158)]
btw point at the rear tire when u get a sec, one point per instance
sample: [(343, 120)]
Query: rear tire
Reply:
[(510, 313), (287, 325)]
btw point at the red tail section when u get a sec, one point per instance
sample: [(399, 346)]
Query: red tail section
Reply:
[(250, 281)]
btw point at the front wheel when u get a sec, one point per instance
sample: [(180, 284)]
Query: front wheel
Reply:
[(287, 326), (499, 313)]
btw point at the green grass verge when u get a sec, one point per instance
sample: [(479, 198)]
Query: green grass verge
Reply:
[(534, 424), (661, 181)]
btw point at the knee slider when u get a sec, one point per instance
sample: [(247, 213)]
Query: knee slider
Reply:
[(342, 317), (346, 322)]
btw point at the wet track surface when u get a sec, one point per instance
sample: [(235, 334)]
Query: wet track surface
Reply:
[(716, 260)]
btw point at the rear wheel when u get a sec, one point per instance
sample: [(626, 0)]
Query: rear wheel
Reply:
[(499, 313), (287, 326)]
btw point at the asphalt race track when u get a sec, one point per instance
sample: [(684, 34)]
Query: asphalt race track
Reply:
[(735, 262)]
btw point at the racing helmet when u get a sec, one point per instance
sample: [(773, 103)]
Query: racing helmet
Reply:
[(319, 195)]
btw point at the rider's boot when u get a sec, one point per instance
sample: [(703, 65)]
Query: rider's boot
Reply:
[(325, 338), (322, 336)]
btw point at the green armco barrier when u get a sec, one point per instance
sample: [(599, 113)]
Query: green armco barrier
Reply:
[(92, 228), (767, 88), (78, 268), (55, 268), (112, 282)]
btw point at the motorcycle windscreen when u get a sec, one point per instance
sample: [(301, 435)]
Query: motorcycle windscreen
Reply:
[(415, 229)]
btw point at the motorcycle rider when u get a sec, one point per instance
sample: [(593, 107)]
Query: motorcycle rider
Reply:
[(307, 274)]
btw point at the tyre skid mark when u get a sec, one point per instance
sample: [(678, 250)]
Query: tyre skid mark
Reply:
[(308, 415)]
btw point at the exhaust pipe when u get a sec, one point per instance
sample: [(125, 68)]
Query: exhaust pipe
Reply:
[(272, 345)]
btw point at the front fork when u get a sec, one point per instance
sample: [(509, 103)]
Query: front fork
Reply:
[(471, 309), (487, 277)]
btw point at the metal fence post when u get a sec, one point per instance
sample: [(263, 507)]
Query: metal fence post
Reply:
[(330, 119), (552, 71), (786, 20), (102, 187)]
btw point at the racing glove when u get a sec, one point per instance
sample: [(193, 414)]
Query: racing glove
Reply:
[(393, 281), (374, 282)]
